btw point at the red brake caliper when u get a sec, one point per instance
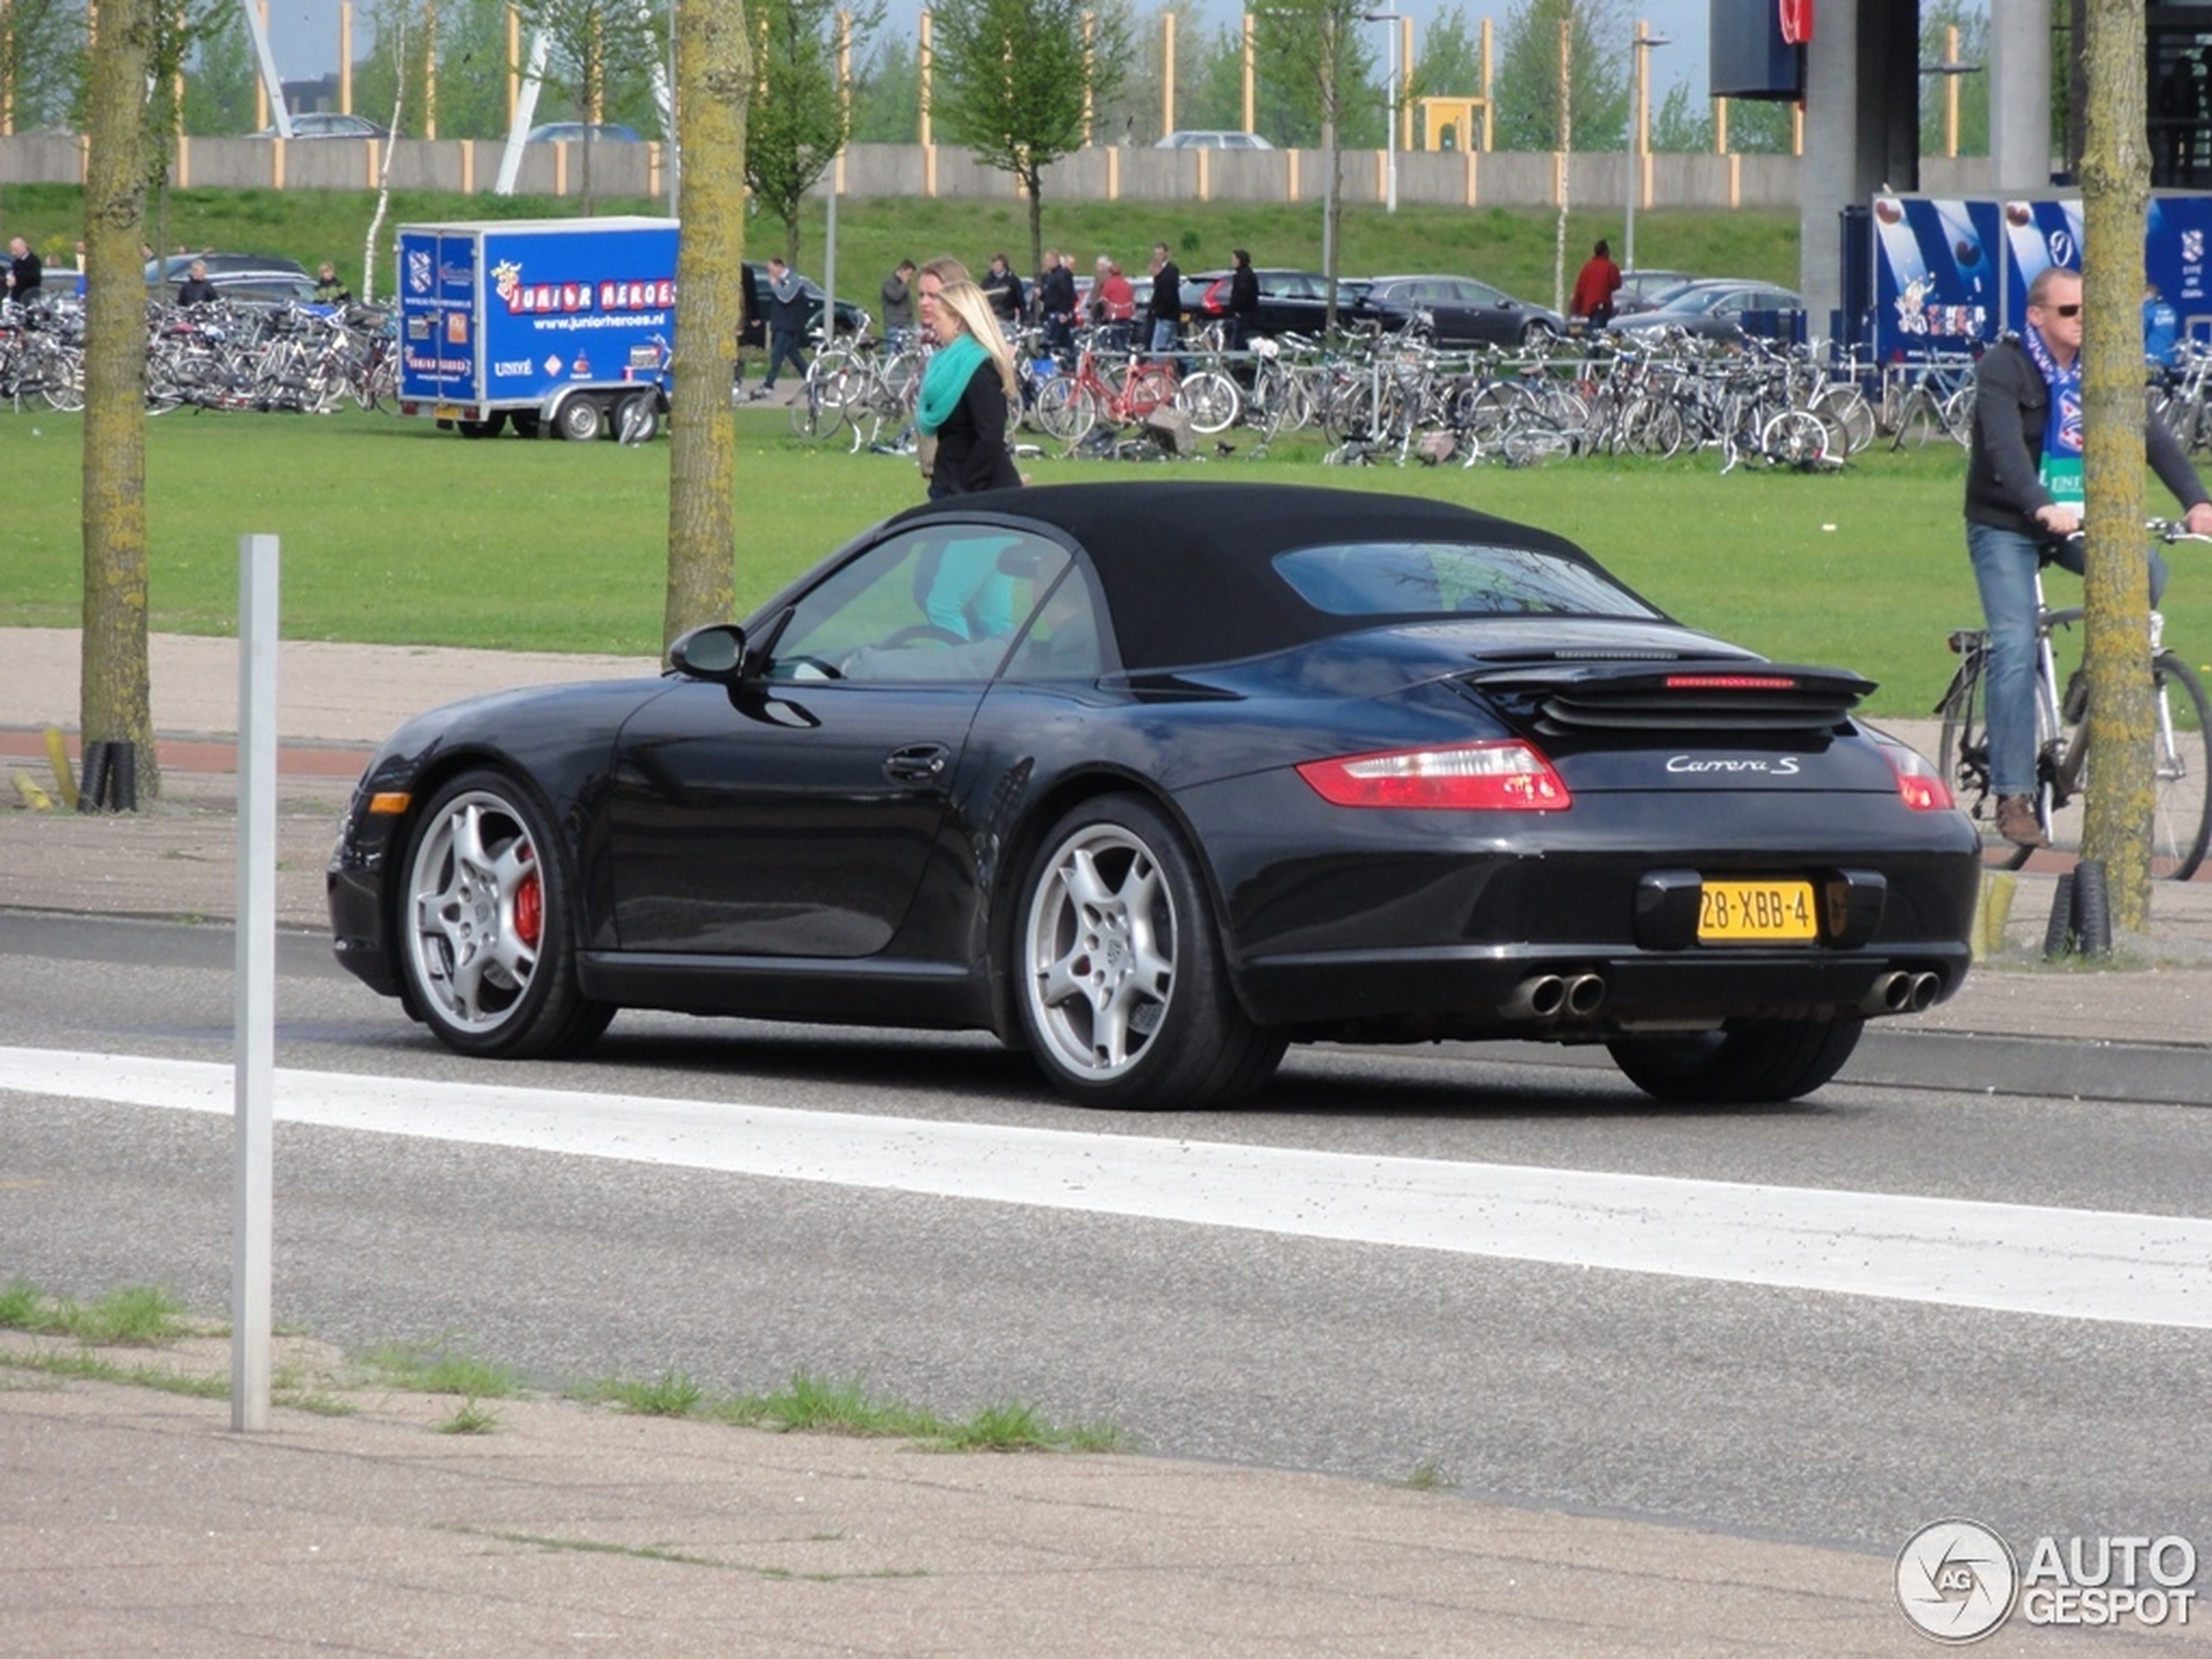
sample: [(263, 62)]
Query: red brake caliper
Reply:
[(529, 906)]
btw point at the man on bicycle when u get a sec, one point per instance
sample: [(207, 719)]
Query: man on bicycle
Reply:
[(2024, 501)]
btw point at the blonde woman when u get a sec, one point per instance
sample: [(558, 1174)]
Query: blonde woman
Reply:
[(966, 393)]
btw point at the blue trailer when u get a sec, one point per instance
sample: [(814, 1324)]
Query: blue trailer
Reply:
[(565, 327)]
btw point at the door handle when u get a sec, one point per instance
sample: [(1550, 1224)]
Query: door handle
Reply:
[(917, 762)]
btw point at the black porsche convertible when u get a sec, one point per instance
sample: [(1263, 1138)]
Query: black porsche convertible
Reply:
[(1155, 780)]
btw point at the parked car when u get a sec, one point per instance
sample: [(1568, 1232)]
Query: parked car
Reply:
[(851, 319), (1641, 290), (576, 133), (1152, 780), (1212, 138), (1291, 302), (268, 278), (1457, 310), (327, 123), (1712, 310)]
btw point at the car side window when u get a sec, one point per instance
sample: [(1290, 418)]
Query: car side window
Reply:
[(1063, 639), (941, 602)]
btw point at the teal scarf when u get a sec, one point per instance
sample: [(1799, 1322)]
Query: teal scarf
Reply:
[(945, 381)]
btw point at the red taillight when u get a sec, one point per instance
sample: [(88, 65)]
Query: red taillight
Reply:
[(1918, 784), (1508, 777)]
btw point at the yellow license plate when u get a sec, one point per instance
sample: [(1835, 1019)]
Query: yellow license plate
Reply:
[(1756, 913)]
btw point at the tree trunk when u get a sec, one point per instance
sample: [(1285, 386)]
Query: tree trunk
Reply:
[(115, 692), (2115, 192), (713, 82)]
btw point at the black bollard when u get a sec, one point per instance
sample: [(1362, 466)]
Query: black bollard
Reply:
[(2057, 936), (2092, 909), (91, 790), (123, 778)]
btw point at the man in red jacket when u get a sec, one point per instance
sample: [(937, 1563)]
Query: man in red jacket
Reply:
[(1595, 286)]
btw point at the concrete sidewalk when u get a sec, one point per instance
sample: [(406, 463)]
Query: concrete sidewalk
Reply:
[(135, 1521)]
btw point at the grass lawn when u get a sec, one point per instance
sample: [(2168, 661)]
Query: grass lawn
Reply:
[(396, 532)]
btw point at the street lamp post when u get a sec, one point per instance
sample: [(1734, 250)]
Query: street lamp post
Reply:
[(1639, 127), (1390, 110)]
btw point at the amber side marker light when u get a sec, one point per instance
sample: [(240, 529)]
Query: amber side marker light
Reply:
[(389, 802)]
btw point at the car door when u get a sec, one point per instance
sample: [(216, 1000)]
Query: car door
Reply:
[(794, 814)]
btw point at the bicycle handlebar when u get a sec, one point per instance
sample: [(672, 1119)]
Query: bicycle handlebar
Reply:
[(2168, 531)]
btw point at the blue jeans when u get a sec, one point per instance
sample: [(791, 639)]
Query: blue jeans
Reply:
[(2004, 565), (783, 348)]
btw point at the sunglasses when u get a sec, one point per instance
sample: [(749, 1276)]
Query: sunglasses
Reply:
[(2062, 311)]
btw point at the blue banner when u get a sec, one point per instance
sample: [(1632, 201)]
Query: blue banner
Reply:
[(1951, 274)]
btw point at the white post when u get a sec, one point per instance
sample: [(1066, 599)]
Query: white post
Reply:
[(1639, 128), (1390, 110), (253, 1061)]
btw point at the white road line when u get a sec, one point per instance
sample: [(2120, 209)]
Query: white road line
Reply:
[(2069, 1263)]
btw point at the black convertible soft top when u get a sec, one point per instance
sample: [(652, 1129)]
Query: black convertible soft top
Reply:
[(1187, 568)]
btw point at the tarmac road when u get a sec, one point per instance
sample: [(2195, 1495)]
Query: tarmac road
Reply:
[(133, 1522)]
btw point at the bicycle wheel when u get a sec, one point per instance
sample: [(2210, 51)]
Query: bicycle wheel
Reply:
[(812, 419), (1211, 400), (2182, 752), (1848, 415), (1795, 438), (1066, 409), (1962, 757), (1958, 415), (1149, 387)]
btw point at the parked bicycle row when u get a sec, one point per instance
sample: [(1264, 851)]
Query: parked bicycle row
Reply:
[(303, 359), (1398, 398)]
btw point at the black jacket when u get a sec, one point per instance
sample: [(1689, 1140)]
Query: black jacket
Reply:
[(1005, 291), (2004, 458), (27, 275), (1243, 293), (1167, 295), (1057, 293), (971, 445)]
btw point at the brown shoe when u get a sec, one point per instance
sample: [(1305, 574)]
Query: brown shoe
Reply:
[(2016, 821)]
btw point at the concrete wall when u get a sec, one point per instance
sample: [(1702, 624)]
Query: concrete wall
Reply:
[(1450, 178)]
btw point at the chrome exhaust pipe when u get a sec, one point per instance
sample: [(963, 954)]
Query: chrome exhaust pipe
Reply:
[(1924, 988), (1541, 996), (1585, 994)]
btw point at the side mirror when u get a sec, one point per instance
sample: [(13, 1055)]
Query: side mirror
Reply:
[(714, 652)]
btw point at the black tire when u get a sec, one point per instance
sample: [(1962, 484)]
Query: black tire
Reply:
[(638, 419), (2181, 808), (487, 925), (1120, 985), (1962, 757), (580, 420), (1743, 1066), (486, 428)]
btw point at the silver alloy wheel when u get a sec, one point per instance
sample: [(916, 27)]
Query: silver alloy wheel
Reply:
[(476, 915), (1100, 952)]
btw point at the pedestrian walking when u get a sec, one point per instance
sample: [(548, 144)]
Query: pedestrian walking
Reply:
[(787, 320)]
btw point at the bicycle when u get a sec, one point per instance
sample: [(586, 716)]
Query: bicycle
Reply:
[(2181, 748), (1938, 396)]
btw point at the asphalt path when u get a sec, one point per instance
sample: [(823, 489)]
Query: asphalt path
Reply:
[(1766, 1409)]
